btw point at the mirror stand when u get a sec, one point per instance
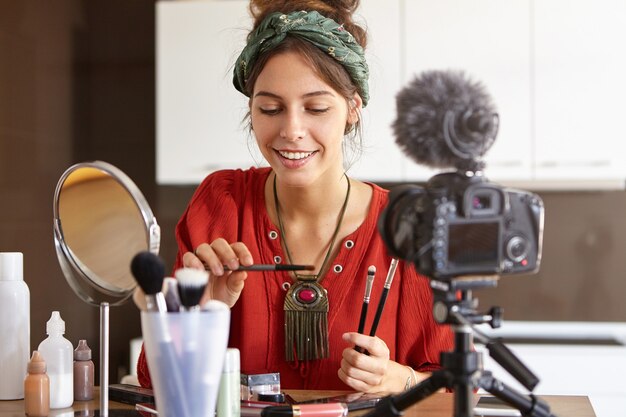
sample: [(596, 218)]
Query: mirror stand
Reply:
[(104, 359)]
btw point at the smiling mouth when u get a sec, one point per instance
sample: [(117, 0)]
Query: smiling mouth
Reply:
[(294, 156)]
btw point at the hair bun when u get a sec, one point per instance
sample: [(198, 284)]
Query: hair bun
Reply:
[(340, 11)]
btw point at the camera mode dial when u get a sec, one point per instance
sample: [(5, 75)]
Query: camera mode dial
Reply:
[(517, 249)]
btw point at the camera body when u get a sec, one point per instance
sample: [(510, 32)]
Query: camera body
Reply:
[(464, 225)]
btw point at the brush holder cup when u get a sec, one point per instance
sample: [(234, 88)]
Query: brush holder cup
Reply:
[(185, 353)]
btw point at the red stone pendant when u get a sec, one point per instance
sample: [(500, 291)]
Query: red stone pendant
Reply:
[(306, 320)]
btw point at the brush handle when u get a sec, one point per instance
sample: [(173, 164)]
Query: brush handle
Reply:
[(156, 302), (362, 323), (270, 267), (379, 311)]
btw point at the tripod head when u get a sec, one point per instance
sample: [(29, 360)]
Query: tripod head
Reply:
[(454, 304)]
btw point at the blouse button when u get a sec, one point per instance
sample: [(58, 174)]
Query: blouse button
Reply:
[(273, 234), (337, 268), (277, 259), (349, 244)]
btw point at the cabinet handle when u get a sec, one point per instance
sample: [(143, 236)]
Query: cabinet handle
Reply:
[(505, 164), (574, 164)]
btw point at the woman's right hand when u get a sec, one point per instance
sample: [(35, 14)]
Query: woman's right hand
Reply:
[(223, 285)]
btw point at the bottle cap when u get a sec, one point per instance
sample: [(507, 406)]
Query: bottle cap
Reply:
[(274, 397), (55, 325), (36, 365), (231, 360), (82, 351), (11, 266)]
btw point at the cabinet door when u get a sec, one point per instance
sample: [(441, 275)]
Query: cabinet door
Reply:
[(199, 112), (489, 40), (580, 85), (381, 159)]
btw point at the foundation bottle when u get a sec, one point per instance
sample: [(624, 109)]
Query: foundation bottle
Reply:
[(83, 372), (36, 388)]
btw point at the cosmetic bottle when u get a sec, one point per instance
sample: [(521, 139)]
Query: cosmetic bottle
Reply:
[(83, 372), (14, 326), (36, 388), (229, 394), (58, 353)]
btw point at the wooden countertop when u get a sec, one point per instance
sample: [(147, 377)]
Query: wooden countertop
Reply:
[(437, 405)]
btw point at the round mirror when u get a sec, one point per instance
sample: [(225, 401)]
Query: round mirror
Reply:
[(101, 220)]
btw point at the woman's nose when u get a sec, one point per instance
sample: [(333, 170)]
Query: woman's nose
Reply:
[(293, 126)]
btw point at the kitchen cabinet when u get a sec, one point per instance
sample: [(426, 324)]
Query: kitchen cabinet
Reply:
[(579, 89), (381, 159), (199, 112), (489, 41), (570, 358)]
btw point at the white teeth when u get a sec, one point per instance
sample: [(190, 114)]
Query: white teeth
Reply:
[(295, 155)]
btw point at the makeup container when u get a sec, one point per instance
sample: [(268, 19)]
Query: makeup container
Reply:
[(58, 353), (228, 397), (14, 326), (185, 381), (254, 384), (83, 372), (36, 388)]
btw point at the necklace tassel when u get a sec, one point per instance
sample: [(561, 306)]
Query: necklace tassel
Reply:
[(306, 335)]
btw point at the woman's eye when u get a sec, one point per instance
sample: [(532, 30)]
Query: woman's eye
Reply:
[(319, 110), (270, 111)]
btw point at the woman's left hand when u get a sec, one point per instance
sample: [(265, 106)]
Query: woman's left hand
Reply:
[(373, 373)]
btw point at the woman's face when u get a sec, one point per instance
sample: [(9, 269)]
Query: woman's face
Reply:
[(299, 121)]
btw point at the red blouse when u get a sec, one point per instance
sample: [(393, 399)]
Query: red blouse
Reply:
[(231, 204)]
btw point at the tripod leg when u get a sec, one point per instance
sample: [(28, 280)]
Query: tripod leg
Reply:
[(528, 405), (394, 405)]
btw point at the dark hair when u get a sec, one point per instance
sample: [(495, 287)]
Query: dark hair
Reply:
[(325, 67)]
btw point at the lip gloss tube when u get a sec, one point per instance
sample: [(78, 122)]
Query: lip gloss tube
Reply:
[(307, 410)]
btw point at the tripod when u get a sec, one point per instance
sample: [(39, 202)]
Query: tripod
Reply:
[(462, 369)]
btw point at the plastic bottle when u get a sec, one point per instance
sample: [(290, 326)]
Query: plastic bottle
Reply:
[(229, 394), (58, 353), (36, 388), (14, 326), (83, 372)]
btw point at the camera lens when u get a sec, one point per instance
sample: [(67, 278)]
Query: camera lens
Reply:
[(517, 249)]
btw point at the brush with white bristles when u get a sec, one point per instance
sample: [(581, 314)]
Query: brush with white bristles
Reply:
[(191, 285)]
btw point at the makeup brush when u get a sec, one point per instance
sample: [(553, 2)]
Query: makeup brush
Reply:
[(269, 267), (383, 297), (149, 272), (371, 271), (170, 291), (191, 285)]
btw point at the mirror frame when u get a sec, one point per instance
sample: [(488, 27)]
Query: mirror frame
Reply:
[(84, 282)]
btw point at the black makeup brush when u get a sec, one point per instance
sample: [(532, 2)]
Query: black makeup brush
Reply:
[(371, 272), (191, 284), (149, 271)]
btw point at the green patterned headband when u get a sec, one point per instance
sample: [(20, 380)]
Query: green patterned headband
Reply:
[(324, 33)]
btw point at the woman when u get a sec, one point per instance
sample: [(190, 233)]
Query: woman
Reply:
[(304, 71)]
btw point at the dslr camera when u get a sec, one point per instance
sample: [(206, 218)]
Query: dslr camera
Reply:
[(458, 223), (463, 225)]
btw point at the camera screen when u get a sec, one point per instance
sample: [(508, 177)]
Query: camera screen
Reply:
[(474, 244)]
